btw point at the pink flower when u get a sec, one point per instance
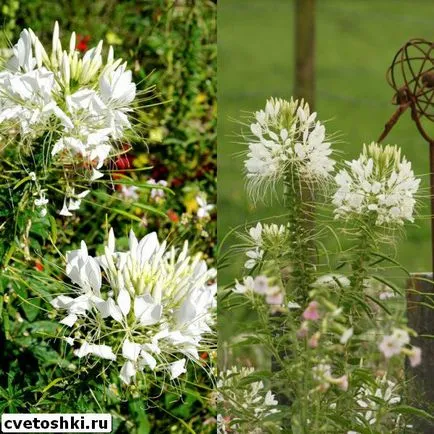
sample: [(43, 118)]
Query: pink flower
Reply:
[(311, 313), (390, 346), (303, 330), (342, 382), (313, 341), (274, 296), (415, 357), (261, 284)]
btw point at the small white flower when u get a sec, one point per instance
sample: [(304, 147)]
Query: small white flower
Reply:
[(247, 285), (204, 208), (346, 335), (269, 399), (157, 193), (384, 390), (69, 320), (261, 238), (96, 175), (245, 397), (254, 256), (401, 336), (41, 201), (129, 192), (256, 234), (65, 211)]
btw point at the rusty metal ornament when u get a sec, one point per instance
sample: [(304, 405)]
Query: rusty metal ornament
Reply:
[(411, 75)]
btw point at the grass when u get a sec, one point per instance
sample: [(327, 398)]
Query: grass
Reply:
[(356, 42)]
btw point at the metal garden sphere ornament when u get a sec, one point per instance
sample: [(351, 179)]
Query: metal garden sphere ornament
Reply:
[(411, 75)]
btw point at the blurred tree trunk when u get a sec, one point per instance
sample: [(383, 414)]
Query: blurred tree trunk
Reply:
[(420, 298), (304, 86)]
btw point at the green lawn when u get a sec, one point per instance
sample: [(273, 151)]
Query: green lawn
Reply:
[(356, 41)]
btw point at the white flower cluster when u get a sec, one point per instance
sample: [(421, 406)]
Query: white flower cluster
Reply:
[(384, 390), (378, 184), (77, 105), (332, 281), (260, 285), (237, 397), (286, 136), (262, 238), (322, 373), (149, 305)]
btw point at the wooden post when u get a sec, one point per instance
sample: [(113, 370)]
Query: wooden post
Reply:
[(304, 86), (421, 319)]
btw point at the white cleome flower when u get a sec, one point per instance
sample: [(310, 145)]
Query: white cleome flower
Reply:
[(239, 396), (379, 184), (157, 303), (369, 395), (204, 208), (332, 281), (78, 104), (287, 141), (262, 238)]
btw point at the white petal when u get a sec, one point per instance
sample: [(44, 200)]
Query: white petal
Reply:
[(177, 368), (111, 241), (148, 360), (96, 174), (69, 340), (186, 313), (131, 350), (109, 308), (102, 351), (83, 351), (93, 273), (69, 320), (124, 301), (61, 302), (127, 372), (64, 211), (146, 311), (147, 246)]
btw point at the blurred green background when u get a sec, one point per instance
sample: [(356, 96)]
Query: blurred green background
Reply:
[(356, 42)]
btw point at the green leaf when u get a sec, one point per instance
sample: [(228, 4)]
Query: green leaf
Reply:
[(149, 208), (126, 214), (32, 308), (137, 407), (391, 285), (53, 226), (407, 409), (379, 303)]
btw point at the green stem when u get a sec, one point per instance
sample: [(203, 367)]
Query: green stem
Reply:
[(300, 244), (360, 263)]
